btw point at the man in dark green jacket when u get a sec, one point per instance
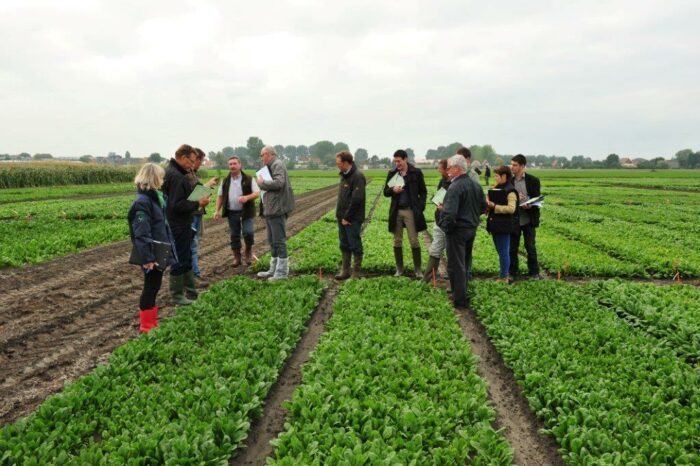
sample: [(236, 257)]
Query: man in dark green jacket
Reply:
[(350, 213)]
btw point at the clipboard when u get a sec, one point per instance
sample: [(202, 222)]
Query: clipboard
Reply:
[(199, 192), (439, 196), (396, 180), (161, 250)]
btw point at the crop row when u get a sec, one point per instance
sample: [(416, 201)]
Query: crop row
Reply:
[(184, 393), (20, 175), (671, 313), (662, 253), (608, 392), (393, 381)]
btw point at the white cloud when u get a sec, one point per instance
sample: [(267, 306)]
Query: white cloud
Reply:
[(535, 77)]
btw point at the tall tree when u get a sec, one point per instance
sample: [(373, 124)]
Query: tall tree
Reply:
[(155, 158), (279, 148), (302, 150), (361, 156), (290, 152), (338, 146), (323, 150), (254, 146), (411, 155), (694, 160), (612, 161), (682, 156)]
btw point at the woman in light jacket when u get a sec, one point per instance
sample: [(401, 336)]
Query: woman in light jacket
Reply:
[(148, 223), (503, 219)]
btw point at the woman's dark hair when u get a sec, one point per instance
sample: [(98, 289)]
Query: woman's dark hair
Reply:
[(402, 154), (465, 152), (504, 170)]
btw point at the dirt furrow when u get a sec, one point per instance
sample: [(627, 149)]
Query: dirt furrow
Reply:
[(71, 329)]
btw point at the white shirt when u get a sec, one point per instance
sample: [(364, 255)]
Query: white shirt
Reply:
[(236, 190)]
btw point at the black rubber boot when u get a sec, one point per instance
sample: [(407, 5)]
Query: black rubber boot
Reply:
[(398, 257), (433, 264), (417, 259), (344, 272)]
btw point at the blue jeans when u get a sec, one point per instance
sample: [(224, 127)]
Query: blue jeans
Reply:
[(196, 236), (502, 243), (236, 224), (349, 237)]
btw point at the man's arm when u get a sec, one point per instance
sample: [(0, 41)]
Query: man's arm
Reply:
[(277, 182), (422, 190), (357, 198)]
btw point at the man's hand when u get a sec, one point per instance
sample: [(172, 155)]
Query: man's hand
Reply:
[(243, 199), (260, 180), (440, 207), (345, 223), (211, 183), (217, 215), (203, 202), (397, 189), (149, 265)]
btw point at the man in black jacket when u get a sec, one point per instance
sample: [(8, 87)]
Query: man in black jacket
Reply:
[(528, 186), (350, 212), (177, 187), (464, 203), (407, 206)]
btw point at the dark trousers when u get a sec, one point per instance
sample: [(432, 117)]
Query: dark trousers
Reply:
[(350, 239), (182, 234), (236, 224), (459, 244), (529, 234), (152, 280), (277, 235)]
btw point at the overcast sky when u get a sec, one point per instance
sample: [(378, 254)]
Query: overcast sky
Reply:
[(538, 77)]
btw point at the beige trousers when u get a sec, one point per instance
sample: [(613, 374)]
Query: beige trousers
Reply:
[(405, 218)]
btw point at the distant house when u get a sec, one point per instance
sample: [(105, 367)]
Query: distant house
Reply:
[(673, 163), (626, 162)]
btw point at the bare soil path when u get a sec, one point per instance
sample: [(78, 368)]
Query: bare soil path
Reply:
[(59, 319)]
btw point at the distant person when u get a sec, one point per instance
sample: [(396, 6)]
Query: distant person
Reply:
[(437, 247), (487, 171), (147, 223), (236, 202), (197, 224), (464, 204), (503, 219), (472, 172), (177, 187), (350, 213), (278, 203), (407, 206), (528, 186)]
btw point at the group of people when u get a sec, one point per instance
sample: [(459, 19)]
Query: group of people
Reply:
[(164, 212)]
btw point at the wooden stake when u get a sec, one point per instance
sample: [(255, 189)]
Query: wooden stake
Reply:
[(559, 275), (434, 278), (677, 278), (320, 273)]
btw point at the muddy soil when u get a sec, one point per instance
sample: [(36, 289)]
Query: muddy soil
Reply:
[(58, 320)]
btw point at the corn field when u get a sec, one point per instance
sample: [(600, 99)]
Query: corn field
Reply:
[(24, 175)]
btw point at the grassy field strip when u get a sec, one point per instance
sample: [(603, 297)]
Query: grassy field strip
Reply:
[(557, 253), (56, 173), (661, 258), (317, 246), (671, 313), (35, 232), (609, 393), (37, 194), (392, 381), (183, 394)]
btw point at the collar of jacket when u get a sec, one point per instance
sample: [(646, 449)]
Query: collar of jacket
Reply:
[(350, 172), (409, 169), (173, 163)]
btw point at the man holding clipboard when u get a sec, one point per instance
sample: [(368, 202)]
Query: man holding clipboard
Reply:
[(180, 210), (528, 188)]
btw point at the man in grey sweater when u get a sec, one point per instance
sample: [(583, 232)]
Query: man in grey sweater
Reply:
[(277, 204)]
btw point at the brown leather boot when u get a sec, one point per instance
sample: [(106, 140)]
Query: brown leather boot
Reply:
[(248, 253), (236, 257)]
